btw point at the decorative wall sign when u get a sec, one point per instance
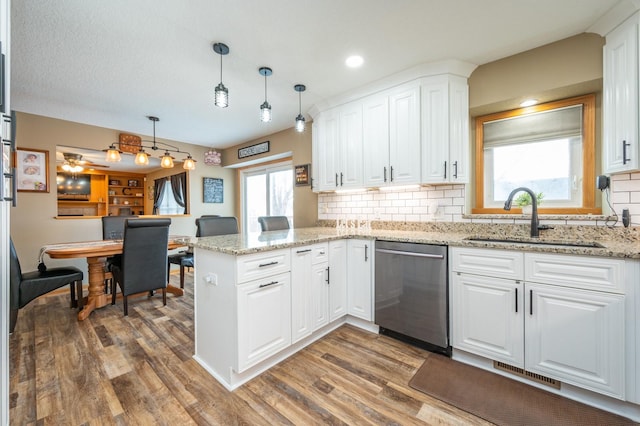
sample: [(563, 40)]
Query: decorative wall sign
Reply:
[(130, 143), (213, 190), (212, 158), (302, 175), (32, 167), (248, 151)]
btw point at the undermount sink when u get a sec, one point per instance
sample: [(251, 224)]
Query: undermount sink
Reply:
[(591, 244)]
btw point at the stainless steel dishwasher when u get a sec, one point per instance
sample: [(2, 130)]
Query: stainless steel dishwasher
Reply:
[(411, 299)]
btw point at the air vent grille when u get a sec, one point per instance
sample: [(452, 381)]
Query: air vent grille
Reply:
[(527, 374)]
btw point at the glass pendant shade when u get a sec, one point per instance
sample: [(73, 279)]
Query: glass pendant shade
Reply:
[(166, 162), (113, 155), (300, 123), (142, 159), (265, 112), (221, 96), (189, 163)]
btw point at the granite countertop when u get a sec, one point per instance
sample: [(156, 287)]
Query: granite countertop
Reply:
[(613, 245)]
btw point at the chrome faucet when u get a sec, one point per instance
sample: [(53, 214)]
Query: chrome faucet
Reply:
[(534, 209)]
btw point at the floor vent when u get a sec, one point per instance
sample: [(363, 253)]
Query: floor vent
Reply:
[(523, 373)]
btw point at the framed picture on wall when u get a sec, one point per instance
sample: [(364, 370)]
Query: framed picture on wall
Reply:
[(213, 190), (302, 175), (32, 170)]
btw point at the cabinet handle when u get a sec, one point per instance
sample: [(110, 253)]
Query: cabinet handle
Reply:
[(391, 173), (340, 178), (262, 265), (366, 252), (530, 302), (625, 160), (303, 251), (455, 170), (337, 180), (328, 280), (267, 284), (445, 169), (516, 300), (385, 173)]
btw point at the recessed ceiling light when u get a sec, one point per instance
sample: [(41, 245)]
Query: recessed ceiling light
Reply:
[(354, 61), (528, 102)]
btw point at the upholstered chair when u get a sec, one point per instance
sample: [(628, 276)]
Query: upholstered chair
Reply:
[(273, 223), (24, 287), (144, 259)]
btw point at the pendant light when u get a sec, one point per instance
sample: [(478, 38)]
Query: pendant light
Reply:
[(300, 118), (189, 163), (142, 158), (221, 94), (265, 108), (113, 154)]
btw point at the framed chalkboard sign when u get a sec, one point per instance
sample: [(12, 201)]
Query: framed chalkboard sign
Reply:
[(213, 190)]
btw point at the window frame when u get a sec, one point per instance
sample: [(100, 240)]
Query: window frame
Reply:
[(588, 206)]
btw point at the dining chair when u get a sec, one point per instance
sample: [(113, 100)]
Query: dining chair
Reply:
[(144, 259), (24, 287), (112, 229), (273, 223), (213, 226)]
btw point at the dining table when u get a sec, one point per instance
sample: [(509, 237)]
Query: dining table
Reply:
[(96, 253)]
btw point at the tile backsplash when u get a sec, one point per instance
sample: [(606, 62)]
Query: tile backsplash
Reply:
[(447, 203)]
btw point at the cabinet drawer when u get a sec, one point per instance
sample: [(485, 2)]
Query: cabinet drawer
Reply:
[(488, 262), (584, 272), (260, 265), (320, 253)]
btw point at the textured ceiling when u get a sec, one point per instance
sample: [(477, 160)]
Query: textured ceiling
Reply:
[(112, 63)]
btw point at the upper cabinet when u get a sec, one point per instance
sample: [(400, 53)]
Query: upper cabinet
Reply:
[(409, 133), (445, 129), (391, 128), (337, 148), (620, 110)]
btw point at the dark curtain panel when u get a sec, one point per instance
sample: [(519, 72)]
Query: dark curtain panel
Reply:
[(179, 188), (157, 194)]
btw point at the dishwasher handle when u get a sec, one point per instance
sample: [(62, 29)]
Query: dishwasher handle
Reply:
[(410, 253)]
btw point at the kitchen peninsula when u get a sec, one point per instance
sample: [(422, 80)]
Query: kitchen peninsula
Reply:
[(257, 302)]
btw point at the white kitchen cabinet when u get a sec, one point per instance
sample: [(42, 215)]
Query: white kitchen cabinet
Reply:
[(621, 96), (264, 319), (487, 317), (326, 150), (445, 129), (308, 272), (360, 283), (576, 336), (391, 123), (337, 279), (559, 316)]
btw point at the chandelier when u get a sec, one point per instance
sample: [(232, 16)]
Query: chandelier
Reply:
[(142, 158)]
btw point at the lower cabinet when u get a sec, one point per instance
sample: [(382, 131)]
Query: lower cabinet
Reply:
[(337, 279), (264, 319), (308, 274), (360, 288), (554, 327)]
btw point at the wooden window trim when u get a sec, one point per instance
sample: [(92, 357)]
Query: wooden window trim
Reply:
[(588, 103)]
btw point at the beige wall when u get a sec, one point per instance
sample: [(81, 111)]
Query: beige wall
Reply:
[(33, 221), (559, 70), (294, 145)]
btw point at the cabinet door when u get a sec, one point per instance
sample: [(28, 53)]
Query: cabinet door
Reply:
[(404, 136), (350, 143), (620, 110), (576, 336), (264, 319), (375, 124), (488, 318), (327, 151), (359, 282), (301, 289), (435, 132), (337, 279), (319, 295), (459, 130)]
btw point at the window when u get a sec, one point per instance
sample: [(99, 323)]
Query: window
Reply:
[(170, 195), (548, 148), (267, 191)]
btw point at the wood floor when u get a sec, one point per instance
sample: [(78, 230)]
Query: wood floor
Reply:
[(138, 370)]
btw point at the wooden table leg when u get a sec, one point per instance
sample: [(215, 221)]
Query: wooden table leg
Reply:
[(97, 298)]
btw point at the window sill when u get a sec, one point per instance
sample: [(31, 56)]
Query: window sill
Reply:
[(542, 217)]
